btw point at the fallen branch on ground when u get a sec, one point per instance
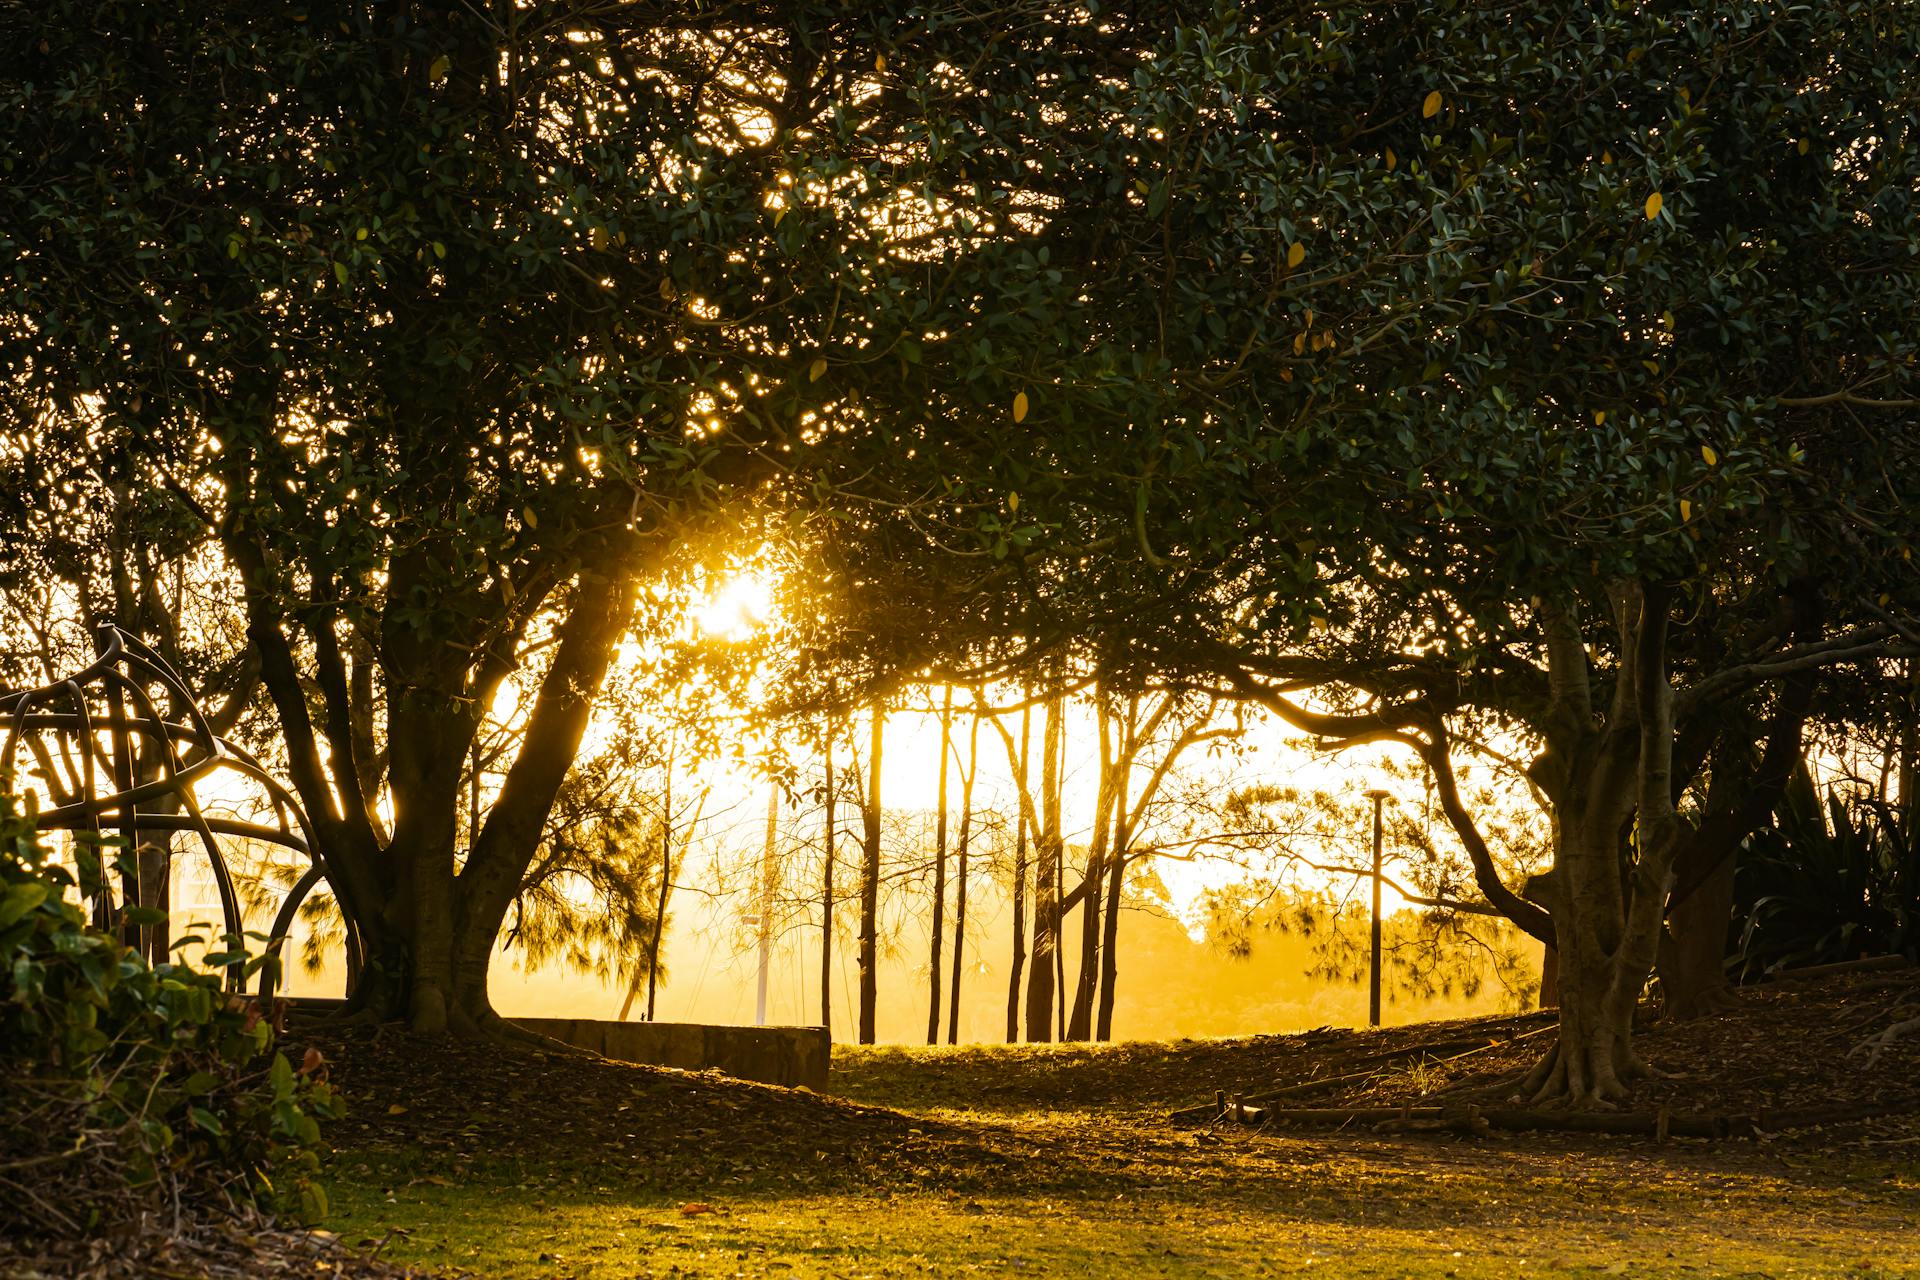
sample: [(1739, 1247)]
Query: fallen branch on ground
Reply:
[(1205, 1112), (1659, 1124)]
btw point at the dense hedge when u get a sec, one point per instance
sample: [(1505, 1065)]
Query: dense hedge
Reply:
[(127, 1086)]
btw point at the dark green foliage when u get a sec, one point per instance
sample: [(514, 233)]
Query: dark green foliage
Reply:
[(125, 1085), (1825, 884)]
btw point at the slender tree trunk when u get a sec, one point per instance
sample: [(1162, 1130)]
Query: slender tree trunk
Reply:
[(1019, 883), (666, 892), (1116, 870), (1909, 806), (939, 875), (1058, 913), (826, 897), (1046, 883), (870, 882), (1092, 894), (960, 883)]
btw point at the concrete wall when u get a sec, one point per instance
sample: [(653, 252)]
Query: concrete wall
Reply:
[(772, 1055)]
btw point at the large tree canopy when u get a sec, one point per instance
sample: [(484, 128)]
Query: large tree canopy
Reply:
[(1549, 372), (1472, 368), (448, 325)]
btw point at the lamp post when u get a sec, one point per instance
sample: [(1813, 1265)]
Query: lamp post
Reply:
[(1373, 982)]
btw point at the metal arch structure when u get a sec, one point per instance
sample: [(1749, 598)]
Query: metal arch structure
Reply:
[(82, 731)]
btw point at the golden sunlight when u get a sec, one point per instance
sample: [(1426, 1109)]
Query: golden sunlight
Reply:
[(737, 606)]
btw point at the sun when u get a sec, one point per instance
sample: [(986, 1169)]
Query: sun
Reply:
[(736, 607)]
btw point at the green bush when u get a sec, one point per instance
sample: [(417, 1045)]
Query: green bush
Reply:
[(126, 1085)]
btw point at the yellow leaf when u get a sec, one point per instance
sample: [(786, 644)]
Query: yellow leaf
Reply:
[(1308, 319), (437, 71), (1431, 107), (1299, 343), (1296, 254), (1392, 160), (396, 1110), (1706, 451), (1654, 205), (667, 290), (1686, 510), (816, 370), (1020, 407), (1666, 318), (1599, 417), (1803, 146), (597, 237), (880, 63), (779, 214), (1013, 502), (533, 521), (1606, 157), (1906, 553), (361, 234)]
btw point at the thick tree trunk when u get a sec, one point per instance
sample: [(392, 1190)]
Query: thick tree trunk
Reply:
[(1605, 948), (870, 883), (1693, 948), (1608, 896)]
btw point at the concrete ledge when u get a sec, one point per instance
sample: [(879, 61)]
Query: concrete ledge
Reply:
[(772, 1055), (788, 1056)]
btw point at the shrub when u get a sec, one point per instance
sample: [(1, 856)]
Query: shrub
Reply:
[(127, 1086), (1827, 882)]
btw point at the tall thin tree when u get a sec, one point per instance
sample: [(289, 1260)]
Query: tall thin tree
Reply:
[(870, 881), (960, 881), (1019, 764), (939, 874), (1046, 880), (826, 895)]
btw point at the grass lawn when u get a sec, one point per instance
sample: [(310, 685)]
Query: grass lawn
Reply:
[(1384, 1212), (1056, 1162)]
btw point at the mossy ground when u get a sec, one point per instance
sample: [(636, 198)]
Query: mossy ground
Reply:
[(1059, 1162)]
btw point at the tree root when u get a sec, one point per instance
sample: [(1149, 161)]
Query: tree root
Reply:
[(1873, 1046), (1707, 1003), (1579, 1081), (494, 1029)]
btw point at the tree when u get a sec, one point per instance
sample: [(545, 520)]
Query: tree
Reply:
[(452, 325), (870, 813), (939, 873), (967, 777), (1483, 412)]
